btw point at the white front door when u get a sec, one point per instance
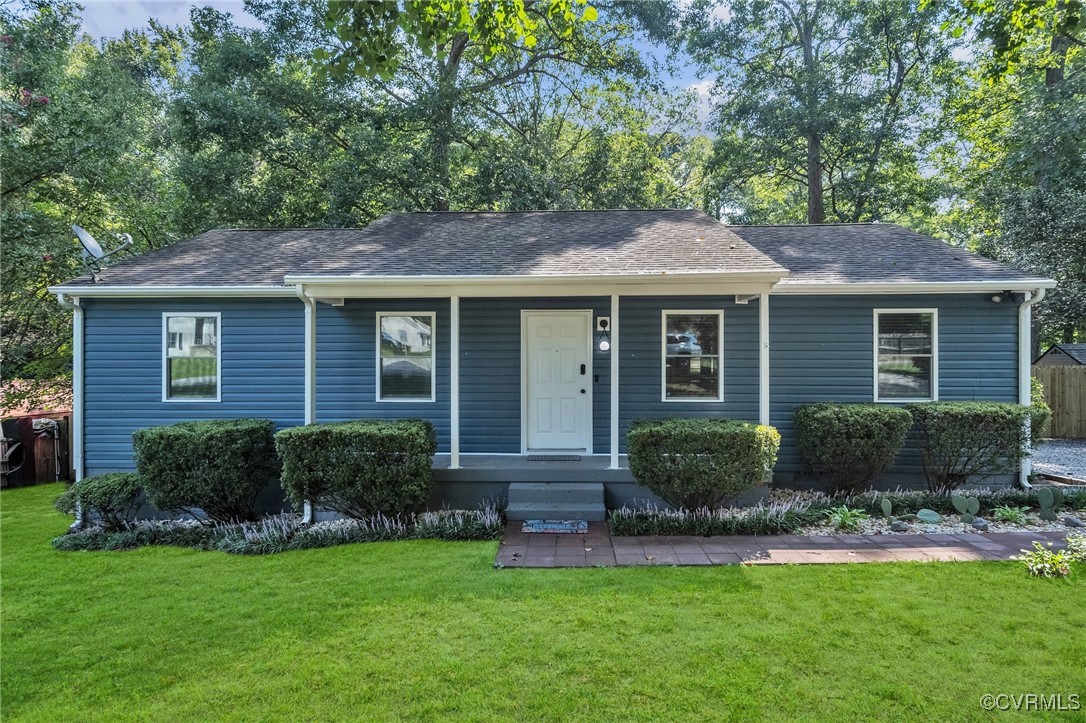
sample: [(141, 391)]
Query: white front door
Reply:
[(557, 380)]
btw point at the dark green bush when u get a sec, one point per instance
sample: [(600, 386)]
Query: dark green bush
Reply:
[(1039, 411), (210, 469), (848, 445), (360, 468), (969, 441), (110, 499), (694, 463)]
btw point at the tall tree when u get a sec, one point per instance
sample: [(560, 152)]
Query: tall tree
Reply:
[(824, 98), (81, 143)]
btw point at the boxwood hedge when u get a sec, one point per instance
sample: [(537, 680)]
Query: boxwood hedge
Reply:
[(969, 441), (108, 499), (695, 463), (209, 469), (848, 445), (360, 468)]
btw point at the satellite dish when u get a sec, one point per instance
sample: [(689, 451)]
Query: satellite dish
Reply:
[(93, 255)]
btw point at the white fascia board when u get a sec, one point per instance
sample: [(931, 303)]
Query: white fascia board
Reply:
[(122, 292), (914, 287), (495, 286)]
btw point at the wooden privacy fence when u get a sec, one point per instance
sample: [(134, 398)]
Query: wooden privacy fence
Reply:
[(1065, 392)]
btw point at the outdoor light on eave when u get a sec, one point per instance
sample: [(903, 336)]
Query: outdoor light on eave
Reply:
[(603, 338), (1001, 296)]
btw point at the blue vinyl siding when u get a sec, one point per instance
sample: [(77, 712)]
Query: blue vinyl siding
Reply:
[(347, 360), (262, 370), (641, 360), (490, 371), (822, 349)]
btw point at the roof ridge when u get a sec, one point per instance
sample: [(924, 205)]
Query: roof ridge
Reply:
[(817, 225)]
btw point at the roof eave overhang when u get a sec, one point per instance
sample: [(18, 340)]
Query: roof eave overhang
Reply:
[(174, 292), (914, 287), (687, 284)]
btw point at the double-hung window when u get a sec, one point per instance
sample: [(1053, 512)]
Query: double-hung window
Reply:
[(691, 342), (191, 357), (405, 357), (906, 355)]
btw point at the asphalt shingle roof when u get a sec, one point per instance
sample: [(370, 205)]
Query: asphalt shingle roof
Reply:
[(1075, 351), (869, 253), (535, 243), (541, 243)]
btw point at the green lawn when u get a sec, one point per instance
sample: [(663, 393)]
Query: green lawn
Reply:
[(429, 630)]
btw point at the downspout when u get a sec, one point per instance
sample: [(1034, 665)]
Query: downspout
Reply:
[(1024, 346), (310, 374), (77, 396)]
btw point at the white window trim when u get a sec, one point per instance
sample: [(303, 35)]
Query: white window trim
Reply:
[(934, 355), (164, 341), (433, 357), (719, 314)]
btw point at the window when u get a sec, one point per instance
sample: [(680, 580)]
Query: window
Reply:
[(906, 355), (191, 357), (691, 353), (405, 357)]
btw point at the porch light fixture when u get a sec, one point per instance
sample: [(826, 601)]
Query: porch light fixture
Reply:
[(603, 339), (1000, 297)]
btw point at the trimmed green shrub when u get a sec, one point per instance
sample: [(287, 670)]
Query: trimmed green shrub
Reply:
[(360, 468), (694, 463), (969, 441), (849, 445), (111, 499), (212, 470), (1039, 411)]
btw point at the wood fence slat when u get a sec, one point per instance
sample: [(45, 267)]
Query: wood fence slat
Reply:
[(1065, 392)]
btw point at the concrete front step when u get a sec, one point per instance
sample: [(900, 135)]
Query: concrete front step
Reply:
[(556, 501)]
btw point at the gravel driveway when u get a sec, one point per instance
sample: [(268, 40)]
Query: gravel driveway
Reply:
[(1063, 457)]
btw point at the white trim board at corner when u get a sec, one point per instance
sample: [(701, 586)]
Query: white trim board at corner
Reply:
[(912, 287)]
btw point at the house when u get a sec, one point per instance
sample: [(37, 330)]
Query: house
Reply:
[(532, 339), (1063, 355)]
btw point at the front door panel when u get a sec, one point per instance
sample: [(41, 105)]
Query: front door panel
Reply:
[(558, 390)]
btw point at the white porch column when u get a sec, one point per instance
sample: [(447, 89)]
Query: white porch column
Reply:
[(763, 358), (614, 380), (454, 382), (310, 374)]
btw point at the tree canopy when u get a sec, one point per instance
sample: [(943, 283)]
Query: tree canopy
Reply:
[(961, 118)]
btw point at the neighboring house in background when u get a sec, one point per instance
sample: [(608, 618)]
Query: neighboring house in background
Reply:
[(1063, 355), (531, 340)]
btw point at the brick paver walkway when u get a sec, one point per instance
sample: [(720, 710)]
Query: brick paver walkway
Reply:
[(598, 548)]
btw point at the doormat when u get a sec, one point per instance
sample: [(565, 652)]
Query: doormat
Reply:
[(556, 527), (554, 458)]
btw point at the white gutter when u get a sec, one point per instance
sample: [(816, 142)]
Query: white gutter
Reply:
[(913, 287), (1025, 320), (123, 292), (310, 374), (537, 279), (77, 396)]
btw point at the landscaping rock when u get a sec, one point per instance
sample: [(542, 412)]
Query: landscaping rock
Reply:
[(931, 530), (980, 524), (898, 526), (1073, 522)]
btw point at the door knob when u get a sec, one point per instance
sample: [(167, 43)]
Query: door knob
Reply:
[(582, 391)]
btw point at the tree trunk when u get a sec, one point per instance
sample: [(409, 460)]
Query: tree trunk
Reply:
[(815, 211), (448, 94)]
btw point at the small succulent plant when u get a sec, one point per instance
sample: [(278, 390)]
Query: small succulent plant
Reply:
[(887, 509), (930, 517), (967, 506), (1049, 499)]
